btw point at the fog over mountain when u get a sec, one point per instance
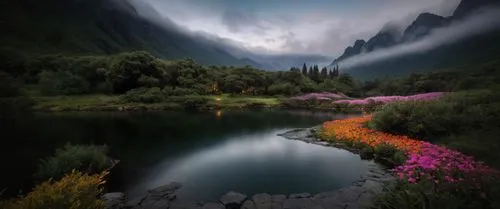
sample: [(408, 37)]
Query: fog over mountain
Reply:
[(275, 31), (482, 21)]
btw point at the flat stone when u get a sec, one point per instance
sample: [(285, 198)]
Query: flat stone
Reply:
[(186, 205), (155, 204), (301, 203), (248, 205), (262, 201), (264, 197), (212, 205), (114, 200), (278, 198), (166, 189), (300, 195), (233, 199)]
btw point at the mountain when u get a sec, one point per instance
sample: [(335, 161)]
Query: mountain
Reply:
[(467, 6), (423, 25), (100, 27), (478, 48)]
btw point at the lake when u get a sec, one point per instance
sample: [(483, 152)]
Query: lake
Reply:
[(210, 153)]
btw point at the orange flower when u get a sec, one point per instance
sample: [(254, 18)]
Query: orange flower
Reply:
[(352, 130)]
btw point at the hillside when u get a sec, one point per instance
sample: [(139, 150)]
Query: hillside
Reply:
[(484, 46), (98, 27)]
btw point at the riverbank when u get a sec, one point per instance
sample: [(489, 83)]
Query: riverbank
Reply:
[(115, 103)]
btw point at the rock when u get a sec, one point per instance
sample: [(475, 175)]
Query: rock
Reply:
[(262, 201), (233, 199), (212, 205), (301, 203), (301, 195), (155, 204), (115, 200), (188, 205), (279, 198), (166, 191), (249, 205)]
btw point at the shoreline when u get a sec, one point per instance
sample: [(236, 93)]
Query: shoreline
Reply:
[(358, 195)]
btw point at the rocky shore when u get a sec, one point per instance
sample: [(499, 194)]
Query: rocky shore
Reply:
[(357, 196)]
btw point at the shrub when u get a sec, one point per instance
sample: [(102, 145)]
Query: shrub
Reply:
[(179, 91), (399, 157), (9, 86), (144, 95), (367, 153), (62, 83), (385, 150), (454, 114), (84, 158), (75, 190)]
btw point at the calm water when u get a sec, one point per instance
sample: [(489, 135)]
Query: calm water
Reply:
[(210, 153)]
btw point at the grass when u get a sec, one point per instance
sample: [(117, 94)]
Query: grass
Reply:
[(100, 102)]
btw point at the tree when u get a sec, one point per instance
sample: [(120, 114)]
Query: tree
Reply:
[(62, 83), (304, 70), (310, 73), (316, 74), (324, 73), (127, 68)]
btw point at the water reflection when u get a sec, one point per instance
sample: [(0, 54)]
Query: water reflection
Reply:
[(256, 163)]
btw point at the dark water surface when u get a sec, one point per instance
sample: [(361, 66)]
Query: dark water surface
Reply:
[(210, 153)]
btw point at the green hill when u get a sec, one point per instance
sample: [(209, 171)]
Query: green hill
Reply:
[(97, 27)]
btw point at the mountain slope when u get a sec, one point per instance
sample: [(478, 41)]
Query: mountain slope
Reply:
[(98, 27), (477, 48)]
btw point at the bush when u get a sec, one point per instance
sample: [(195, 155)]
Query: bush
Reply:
[(144, 95), (75, 190), (84, 158), (399, 158), (62, 83), (179, 91), (283, 89), (367, 153), (427, 194), (456, 113), (9, 87), (385, 150)]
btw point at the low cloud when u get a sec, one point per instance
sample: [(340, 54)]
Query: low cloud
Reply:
[(480, 22)]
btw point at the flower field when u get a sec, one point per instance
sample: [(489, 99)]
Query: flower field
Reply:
[(425, 162), (390, 99), (323, 96)]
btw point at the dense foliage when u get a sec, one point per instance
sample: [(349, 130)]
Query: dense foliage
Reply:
[(75, 190), (467, 121), (84, 158)]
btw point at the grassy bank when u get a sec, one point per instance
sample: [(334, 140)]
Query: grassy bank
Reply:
[(99, 102)]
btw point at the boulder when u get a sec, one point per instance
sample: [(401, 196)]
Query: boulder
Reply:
[(249, 205), (262, 201), (233, 199)]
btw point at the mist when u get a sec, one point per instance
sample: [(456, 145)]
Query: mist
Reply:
[(482, 21)]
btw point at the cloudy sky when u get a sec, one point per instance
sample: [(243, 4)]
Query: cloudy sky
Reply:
[(296, 26)]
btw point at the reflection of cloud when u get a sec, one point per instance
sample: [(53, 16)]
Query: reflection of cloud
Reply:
[(484, 21), (255, 148)]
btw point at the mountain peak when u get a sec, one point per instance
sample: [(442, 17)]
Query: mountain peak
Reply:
[(467, 6), (423, 25)]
